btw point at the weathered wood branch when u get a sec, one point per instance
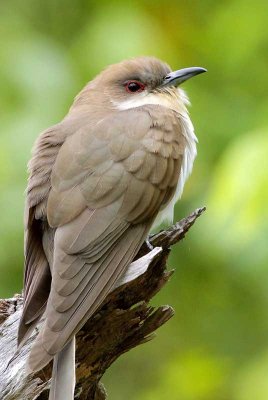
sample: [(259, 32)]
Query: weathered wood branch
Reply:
[(124, 321)]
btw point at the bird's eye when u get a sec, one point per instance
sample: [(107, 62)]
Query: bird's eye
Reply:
[(134, 86)]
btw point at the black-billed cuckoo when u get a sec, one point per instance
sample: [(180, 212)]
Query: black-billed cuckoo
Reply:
[(99, 180)]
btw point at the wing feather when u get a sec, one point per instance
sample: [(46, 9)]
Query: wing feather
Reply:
[(37, 279), (65, 315)]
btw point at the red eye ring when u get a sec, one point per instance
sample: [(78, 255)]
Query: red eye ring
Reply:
[(134, 86)]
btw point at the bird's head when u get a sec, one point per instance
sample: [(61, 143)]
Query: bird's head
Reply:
[(136, 82)]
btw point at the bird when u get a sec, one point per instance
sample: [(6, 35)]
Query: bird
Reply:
[(99, 181)]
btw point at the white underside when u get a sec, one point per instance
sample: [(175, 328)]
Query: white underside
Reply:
[(177, 101)]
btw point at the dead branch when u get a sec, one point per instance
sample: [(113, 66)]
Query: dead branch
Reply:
[(125, 320)]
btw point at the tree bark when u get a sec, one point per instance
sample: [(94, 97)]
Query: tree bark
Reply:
[(124, 321)]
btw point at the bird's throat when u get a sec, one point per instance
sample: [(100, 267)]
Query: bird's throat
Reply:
[(172, 98)]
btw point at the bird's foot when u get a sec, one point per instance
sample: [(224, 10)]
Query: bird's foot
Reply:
[(149, 245)]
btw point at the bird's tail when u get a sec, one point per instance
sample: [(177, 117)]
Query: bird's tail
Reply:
[(63, 374)]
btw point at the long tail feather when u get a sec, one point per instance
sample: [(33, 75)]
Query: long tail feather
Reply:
[(63, 374)]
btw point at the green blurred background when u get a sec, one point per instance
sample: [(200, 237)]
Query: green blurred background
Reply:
[(216, 346)]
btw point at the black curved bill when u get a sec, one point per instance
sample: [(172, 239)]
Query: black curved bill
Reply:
[(175, 78)]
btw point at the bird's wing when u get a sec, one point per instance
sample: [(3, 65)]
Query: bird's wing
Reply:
[(124, 174), (37, 276), (37, 279)]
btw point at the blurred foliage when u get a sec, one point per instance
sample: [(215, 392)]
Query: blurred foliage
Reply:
[(216, 347)]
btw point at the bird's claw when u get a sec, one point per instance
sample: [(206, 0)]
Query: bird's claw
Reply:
[(149, 245)]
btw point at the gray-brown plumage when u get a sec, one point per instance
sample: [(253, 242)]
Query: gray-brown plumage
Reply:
[(98, 180)]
